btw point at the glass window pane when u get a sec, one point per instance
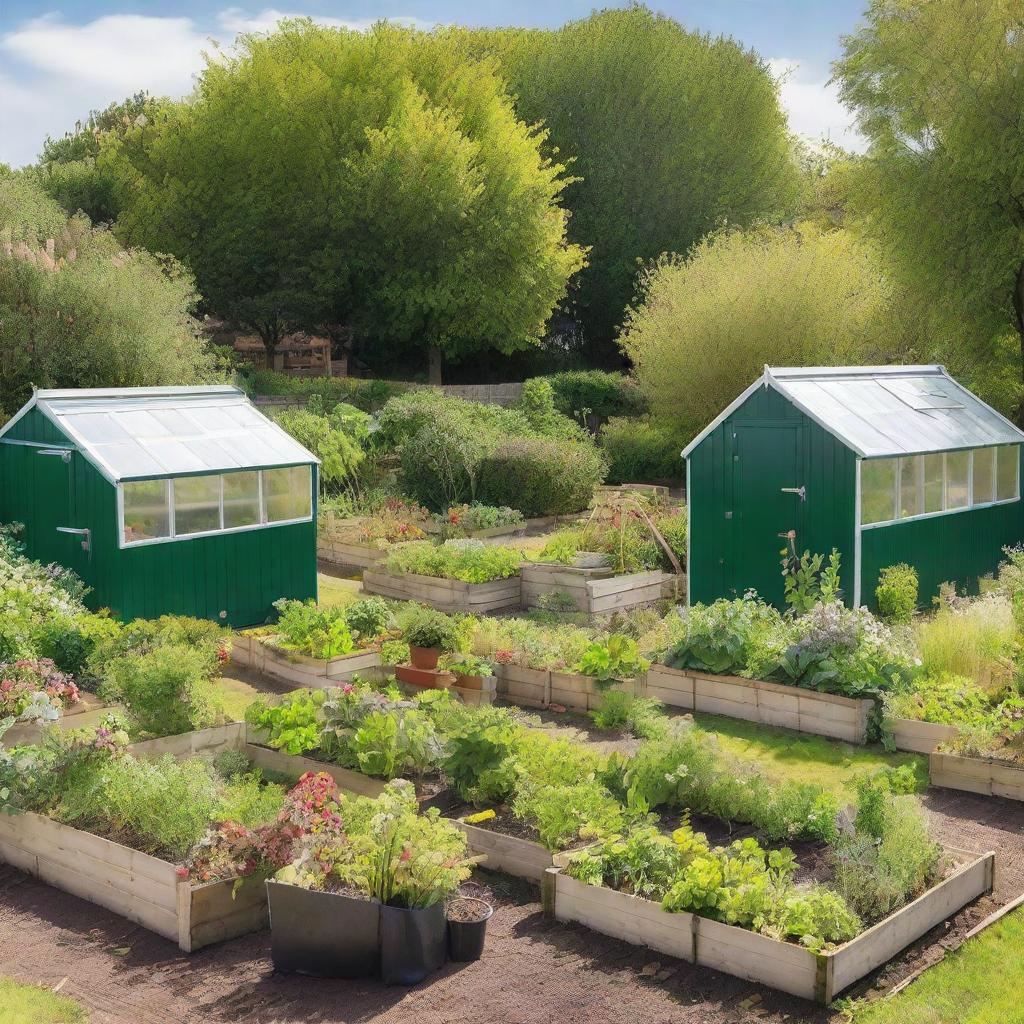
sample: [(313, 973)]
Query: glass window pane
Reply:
[(287, 493), (146, 514), (957, 476), (910, 487), (933, 466), (196, 504), (1007, 461), (984, 475), (878, 490), (241, 499)]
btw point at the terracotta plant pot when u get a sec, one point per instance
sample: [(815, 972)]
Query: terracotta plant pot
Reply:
[(469, 682), (430, 679), (424, 657)]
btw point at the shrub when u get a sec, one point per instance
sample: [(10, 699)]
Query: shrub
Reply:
[(368, 395), (588, 395), (427, 627), (642, 716), (166, 690), (339, 452), (368, 618), (540, 476), (974, 638), (896, 592), (469, 561), (467, 518), (640, 451), (537, 405)]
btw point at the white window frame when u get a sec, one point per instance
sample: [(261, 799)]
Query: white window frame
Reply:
[(263, 524), (971, 504)]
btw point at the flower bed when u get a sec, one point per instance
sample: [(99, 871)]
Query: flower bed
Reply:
[(445, 595), (137, 886), (753, 700), (86, 711), (782, 965), (260, 653)]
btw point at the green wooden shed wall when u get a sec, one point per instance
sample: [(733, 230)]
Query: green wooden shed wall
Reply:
[(742, 471), (239, 573)]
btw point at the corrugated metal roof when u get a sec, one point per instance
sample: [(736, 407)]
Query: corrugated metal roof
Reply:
[(133, 433), (886, 410)]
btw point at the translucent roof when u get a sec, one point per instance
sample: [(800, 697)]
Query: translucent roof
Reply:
[(886, 410), (129, 433)]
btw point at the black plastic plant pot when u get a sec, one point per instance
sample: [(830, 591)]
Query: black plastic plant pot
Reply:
[(412, 943), (466, 938), (325, 934)]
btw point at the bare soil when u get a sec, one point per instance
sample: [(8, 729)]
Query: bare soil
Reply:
[(533, 971)]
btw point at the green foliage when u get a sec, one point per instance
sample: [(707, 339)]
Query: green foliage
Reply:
[(977, 639), (293, 725), (167, 690), (612, 659), (368, 618), (431, 219), (641, 451), (896, 592), (366, 394), (386, 744), (599, 85), (479, 761), (463, 519), (595, 395), (427, 627), (249, 801), (319, 632), (807, 583), (541, 476), (642, 716), (940, 186), (567, 812), (98, 316), (469, 561), (338, 451), (942, 698), (537, 405), (794, 297)]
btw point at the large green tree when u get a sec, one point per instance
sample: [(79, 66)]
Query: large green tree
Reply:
[(671, 134), (938, 87), (77, 310), (787, 297), (375, 185)]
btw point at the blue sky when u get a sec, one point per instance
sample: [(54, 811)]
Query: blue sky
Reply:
[(58, 61)]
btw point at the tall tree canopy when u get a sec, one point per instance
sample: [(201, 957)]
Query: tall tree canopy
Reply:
[(671, 134), (76, 310), (938, 86), (788, 297), (375, 184)]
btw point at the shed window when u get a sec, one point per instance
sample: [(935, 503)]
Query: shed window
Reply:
[(1007, 465), (196, 505), (922, 485), (146, 510), (188, 506), (241, 500), (287, 494)]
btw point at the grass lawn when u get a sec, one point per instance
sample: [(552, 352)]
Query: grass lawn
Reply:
[(337, 591), (30, 1004), (804, 757), (978, 984)]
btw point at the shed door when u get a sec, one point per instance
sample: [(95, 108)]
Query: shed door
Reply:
[(53, 507), (767, 459)]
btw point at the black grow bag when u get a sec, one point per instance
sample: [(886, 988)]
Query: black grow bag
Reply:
[(466, 938), (326, 934), (412, 943)]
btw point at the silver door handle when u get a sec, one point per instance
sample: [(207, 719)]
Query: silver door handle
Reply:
[(801, 490), (85, 534)]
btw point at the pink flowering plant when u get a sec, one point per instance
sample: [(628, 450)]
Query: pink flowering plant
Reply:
[(34, 689)]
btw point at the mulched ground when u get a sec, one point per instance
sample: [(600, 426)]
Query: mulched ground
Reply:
[(533, 972)]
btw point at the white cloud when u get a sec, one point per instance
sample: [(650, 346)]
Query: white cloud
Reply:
[(55, 72), (813, 105)]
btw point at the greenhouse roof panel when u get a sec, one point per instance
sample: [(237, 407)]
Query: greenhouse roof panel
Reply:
[(130, 433), (893, 410)]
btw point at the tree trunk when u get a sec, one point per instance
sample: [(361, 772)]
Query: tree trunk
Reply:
[(434, 373), (1018, 308)]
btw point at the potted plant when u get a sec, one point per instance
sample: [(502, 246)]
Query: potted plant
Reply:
[(469, 671), (413, 862), (467, 927), (323, 921), (429, 633)]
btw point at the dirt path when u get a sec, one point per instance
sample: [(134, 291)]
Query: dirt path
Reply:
[(533, 971)]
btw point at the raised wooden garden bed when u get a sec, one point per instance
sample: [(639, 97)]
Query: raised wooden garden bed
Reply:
[(348, 553), (87, 711), (530, 687), (257, 653), (581, 693), (445, 595), (745, 954), (595, 591), (919, 737), (541, 687), (985, 775), (753, 700), (142, 888), (204, 743), (511, 854)]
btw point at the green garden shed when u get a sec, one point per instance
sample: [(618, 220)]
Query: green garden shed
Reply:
[(887, 464), (183, 500)]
